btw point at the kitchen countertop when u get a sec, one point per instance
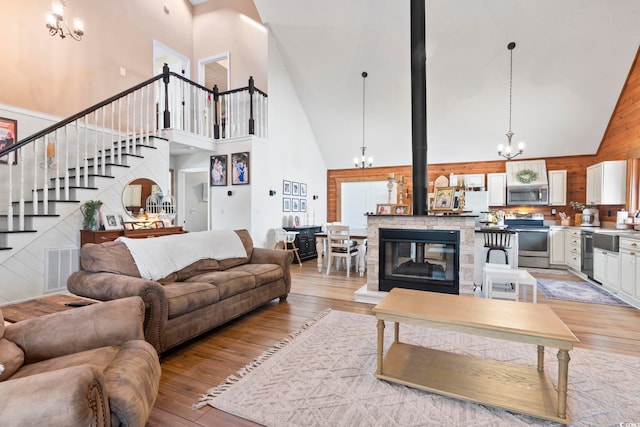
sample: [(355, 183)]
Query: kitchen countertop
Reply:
[(633, 234)]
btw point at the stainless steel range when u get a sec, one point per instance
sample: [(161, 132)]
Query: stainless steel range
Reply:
[(533, 239)]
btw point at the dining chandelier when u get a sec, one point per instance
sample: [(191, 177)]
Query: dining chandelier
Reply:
[(58, 27), (503, 151), (362, 162)]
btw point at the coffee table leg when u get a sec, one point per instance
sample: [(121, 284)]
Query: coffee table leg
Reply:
[(540, 358), (563, 371), (380, 345), (396, 332)]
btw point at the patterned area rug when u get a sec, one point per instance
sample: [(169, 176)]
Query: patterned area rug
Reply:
[(577, 291), (324, 376)]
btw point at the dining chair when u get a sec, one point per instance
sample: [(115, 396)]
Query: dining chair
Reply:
[(340, 245)]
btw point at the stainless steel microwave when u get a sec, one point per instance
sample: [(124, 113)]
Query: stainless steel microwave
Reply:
[(528, 195)]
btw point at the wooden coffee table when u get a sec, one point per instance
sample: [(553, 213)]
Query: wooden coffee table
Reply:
[(40, 306), (518, 388)]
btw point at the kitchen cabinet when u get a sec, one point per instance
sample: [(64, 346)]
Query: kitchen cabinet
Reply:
[(497, 189), (558, 188), (610, 176), (606, 269), (475, 180), (573, 250), (630, 267), (556, 246)]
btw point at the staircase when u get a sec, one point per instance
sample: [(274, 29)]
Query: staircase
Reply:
[(94, 154)]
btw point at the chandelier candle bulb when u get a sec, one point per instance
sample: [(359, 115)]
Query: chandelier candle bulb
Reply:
[(51, 150)]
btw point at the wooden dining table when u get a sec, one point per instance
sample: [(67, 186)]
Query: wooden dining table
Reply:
[(358, 235)]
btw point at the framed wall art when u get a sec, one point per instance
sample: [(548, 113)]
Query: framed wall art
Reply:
[(303, 205), (286, 187), (8, 137), (295, 188), (240, 168), (295, 205), (384, 209), (286, 204), (218, 170), (444, 198), (110, 221), (303, 190)]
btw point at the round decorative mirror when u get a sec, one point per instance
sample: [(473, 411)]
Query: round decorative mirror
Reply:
[(135, 195)]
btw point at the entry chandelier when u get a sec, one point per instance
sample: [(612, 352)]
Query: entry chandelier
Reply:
[(58, 27), (502, 150), (363, 162)]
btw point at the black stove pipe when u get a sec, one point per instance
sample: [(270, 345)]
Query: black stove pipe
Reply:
[(419, 107)]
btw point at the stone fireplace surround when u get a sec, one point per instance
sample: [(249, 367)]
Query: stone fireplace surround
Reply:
[(465, 224)]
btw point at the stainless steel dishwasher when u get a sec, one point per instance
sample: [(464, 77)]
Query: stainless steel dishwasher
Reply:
[(586, 264)]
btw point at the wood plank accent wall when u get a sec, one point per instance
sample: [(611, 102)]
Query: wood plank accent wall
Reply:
[(621, 140)]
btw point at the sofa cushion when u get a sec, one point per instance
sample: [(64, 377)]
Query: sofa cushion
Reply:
[(264, 273), (98, 357), (229, 283), (11, 357), (185, 297), (247, 241), (108, 257), (198, 267)]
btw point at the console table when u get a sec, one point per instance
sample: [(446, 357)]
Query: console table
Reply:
[(306, 240), (101, 236)]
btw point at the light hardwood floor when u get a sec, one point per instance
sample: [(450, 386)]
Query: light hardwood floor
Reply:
[(190, 370)]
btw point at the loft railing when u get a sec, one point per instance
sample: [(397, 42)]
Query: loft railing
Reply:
[(50, 163)]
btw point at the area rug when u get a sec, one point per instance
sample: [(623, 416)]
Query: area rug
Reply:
[(324, 376), (577, 291)]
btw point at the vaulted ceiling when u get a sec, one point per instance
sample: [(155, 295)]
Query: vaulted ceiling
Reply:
[(569, 66)]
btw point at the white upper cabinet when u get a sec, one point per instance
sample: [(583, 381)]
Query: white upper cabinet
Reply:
[(607, 183), (558, 188), (497, 189)]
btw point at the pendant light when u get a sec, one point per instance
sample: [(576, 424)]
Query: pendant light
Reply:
[(503, 151), (363, 162)]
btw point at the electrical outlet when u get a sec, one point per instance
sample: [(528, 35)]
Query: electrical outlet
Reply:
[(123, 71), (553, 211)]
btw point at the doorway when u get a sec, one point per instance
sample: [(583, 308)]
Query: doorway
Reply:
[(193, 199), (214, 70)]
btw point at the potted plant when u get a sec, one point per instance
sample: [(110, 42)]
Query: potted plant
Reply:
[(91, 214)]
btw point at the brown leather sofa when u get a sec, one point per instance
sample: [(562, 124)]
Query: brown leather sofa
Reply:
[(80, 367), (193, 300)]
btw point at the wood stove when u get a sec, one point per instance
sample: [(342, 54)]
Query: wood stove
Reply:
[(426, 260)]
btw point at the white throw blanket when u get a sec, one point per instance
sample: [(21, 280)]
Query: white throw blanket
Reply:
[(158, 257)]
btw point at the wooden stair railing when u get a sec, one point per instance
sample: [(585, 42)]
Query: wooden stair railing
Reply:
[(71, 153)]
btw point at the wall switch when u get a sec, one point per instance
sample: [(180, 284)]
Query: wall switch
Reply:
[(123, 71)]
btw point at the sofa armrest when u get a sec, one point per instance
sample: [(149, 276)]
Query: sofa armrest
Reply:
[(72, 331), (274, 256), (71, 396), (110, 286)]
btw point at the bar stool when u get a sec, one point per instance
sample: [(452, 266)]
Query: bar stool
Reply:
[(498, 240)]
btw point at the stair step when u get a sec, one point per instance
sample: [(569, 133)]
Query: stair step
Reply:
[(5, 231), (5, 248)]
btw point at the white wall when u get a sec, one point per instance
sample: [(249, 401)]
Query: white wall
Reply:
[(291, 154)]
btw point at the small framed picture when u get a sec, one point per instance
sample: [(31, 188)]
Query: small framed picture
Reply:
[(295, 205), (303, 205), (400, 209), (295, 188), (286, 204), (286, 187), (218, 170), (384, 209), (444, 198), (240, 168), (110, 221), (8, 137), (303, 190)]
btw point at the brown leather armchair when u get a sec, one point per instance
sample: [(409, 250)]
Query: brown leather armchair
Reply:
[(86, 366)]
